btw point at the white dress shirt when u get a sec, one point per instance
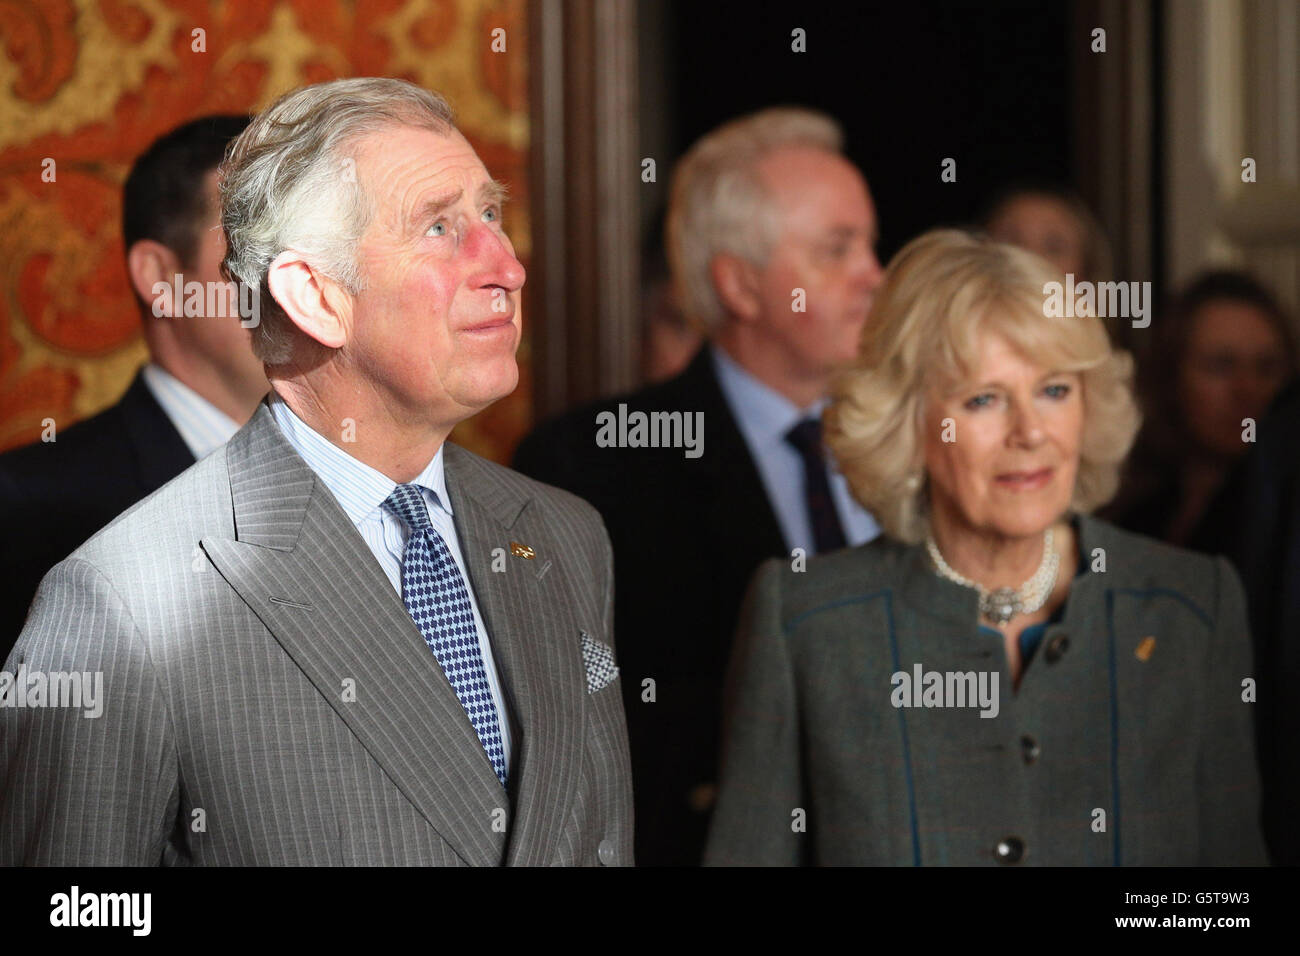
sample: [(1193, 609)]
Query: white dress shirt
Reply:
[(361, 491), (765, 417), (203, 427)]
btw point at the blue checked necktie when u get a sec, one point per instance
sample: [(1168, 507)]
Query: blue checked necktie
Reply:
[(436, 597)]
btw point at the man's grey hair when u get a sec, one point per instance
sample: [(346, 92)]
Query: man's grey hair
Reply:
[(717, 203), (290, 182)]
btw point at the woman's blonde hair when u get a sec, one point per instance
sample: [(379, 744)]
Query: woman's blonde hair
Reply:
[(943, 293)]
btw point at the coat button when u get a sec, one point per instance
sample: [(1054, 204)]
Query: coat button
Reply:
[(701, 797), (1029, 748), (1010, 850), (605, 852), (1056, 648)]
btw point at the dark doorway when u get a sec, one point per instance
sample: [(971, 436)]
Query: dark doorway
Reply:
[(987, 84)]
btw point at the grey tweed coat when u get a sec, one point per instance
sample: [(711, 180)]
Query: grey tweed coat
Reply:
[(1128, 742)]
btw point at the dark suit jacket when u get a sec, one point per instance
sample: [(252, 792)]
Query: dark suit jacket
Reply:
[(1132, 706), (1255, 520), (687, 535), (55, 495)]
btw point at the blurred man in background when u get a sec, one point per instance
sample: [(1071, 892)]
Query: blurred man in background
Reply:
[(201, 383), (771, 236)]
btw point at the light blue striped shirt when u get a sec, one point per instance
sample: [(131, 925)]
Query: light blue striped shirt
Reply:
[(765, 416), (361, 491), (203, 427)]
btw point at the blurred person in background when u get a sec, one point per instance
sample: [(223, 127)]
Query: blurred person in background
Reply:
[(1220, 353), (1055, 224), (201, 383), (771, 237)]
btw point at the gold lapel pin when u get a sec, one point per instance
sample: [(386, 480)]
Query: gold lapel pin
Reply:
[(1146, 647), (522, 550)]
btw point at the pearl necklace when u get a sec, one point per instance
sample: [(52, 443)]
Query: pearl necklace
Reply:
[(1003, 604)]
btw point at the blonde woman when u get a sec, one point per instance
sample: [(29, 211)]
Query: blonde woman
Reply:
[(999, 678)]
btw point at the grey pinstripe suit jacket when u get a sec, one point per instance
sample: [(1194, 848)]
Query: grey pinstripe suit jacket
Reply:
[(268, 699)]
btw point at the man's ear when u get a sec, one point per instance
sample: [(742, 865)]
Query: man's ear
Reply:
[(152, 269), (736, 282), (315, 303)]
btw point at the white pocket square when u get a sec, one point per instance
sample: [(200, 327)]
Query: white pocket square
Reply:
[(598, 658)]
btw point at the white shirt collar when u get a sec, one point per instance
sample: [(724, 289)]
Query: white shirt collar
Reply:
[(763, 413), (360, 489), (202, 426)]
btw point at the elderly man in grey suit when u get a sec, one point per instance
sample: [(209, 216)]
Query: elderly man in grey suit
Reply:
[(339, 639)]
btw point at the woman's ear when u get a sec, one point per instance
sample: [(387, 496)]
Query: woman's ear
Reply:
[(315, 303)]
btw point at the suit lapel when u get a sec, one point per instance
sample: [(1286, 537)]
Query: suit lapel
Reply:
[(536, 646), (302, 567)]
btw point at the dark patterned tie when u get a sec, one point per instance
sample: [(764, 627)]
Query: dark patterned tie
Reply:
[(806, 437), (436, 597)]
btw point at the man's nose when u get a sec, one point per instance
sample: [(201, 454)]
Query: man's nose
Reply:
[(496, 258), (875, 271), (867, 269)]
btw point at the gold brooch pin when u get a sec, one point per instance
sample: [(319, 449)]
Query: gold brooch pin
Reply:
[(522, 550), (1146, 647)]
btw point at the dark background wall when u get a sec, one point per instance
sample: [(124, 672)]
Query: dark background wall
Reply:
[(912, 83)]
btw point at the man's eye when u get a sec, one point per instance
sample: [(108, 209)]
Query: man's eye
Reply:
[(492, 214), (439, 228)]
